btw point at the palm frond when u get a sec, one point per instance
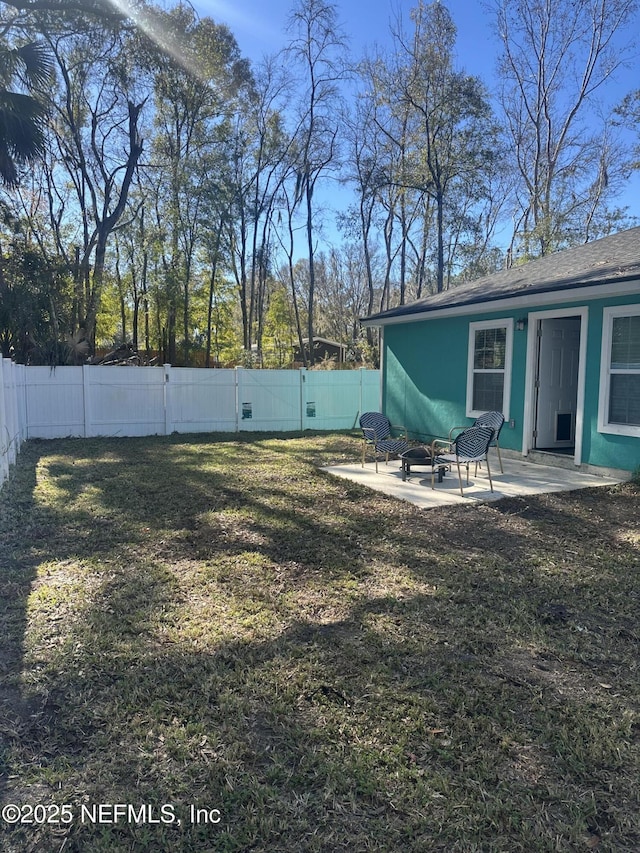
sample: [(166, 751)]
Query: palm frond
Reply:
[(22, 122), (22, 138), (8, 65), (8, 169), (25, 67), (35, 64)]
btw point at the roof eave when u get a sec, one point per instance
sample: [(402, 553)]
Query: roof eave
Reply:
[(510, 301)]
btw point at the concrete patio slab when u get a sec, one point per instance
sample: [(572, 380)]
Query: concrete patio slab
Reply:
[(519, 478)]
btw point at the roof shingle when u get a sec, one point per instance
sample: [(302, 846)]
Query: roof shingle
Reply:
[(601, 262)]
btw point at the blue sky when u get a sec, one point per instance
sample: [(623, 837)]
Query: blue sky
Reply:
[(259, 28)]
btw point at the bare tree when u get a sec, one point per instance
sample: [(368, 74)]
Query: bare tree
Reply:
[(456, 139), (342, 293), (317, 45), (262, 160), (285, 235), (431, 150), (99, 146), (377, 147), (364, 159), (192, 114), (628, 113), (555, 57)]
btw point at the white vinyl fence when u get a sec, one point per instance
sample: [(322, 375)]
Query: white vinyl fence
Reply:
[(13, 422), (43, 402)]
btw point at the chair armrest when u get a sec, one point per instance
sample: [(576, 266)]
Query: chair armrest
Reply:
[(454, 429), (439, 444), (369, 434)]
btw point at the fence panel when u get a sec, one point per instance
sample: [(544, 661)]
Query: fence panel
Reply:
[(5, 402), (200, 400), (371, 391), (11, 428), (332, 399), (124, 401), (134, 401), (269, 400), (54, 402), (44, 402)]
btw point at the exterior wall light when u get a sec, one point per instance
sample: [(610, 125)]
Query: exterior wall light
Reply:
[(521, 324)]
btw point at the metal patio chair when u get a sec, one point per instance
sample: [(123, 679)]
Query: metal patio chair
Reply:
[(495, 420), (471, 445), (378, 433)]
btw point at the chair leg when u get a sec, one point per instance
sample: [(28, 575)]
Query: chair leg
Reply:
[(460, 476), (489, 473)]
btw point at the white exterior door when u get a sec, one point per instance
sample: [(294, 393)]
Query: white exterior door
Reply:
[(557, 382)]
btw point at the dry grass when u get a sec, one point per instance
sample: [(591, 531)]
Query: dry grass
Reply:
[(213, 621)]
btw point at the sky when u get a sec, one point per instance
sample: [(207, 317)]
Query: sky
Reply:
[(259, 27)]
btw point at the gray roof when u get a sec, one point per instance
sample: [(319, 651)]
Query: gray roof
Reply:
[(613, 258)]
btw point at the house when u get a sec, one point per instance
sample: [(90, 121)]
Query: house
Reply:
[(554, 344), (323, 350)]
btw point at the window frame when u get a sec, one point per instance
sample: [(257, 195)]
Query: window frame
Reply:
[(604, 425), (505, 323)]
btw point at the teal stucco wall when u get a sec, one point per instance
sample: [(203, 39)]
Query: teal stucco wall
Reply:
[(425, 377), (425, 380)]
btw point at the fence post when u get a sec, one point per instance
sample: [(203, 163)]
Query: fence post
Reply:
[(238, 380), (167, 399), (86, 400), (11, 411), (303, 381), (4, 455), (359, 412), (21, 392)]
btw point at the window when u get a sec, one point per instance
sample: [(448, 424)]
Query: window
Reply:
[(619, 410), (489, 370)]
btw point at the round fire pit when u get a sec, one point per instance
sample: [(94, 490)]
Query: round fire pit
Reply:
[(418, 457)]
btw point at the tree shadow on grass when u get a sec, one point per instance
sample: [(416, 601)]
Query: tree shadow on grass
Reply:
[(20, 523), (105, 512), (235, 666), (387, 739)]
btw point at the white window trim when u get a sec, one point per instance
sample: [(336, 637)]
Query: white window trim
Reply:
[(608, 316), (504, 323)]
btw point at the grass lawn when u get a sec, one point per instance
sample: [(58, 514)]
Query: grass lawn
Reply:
[(212, 622)]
